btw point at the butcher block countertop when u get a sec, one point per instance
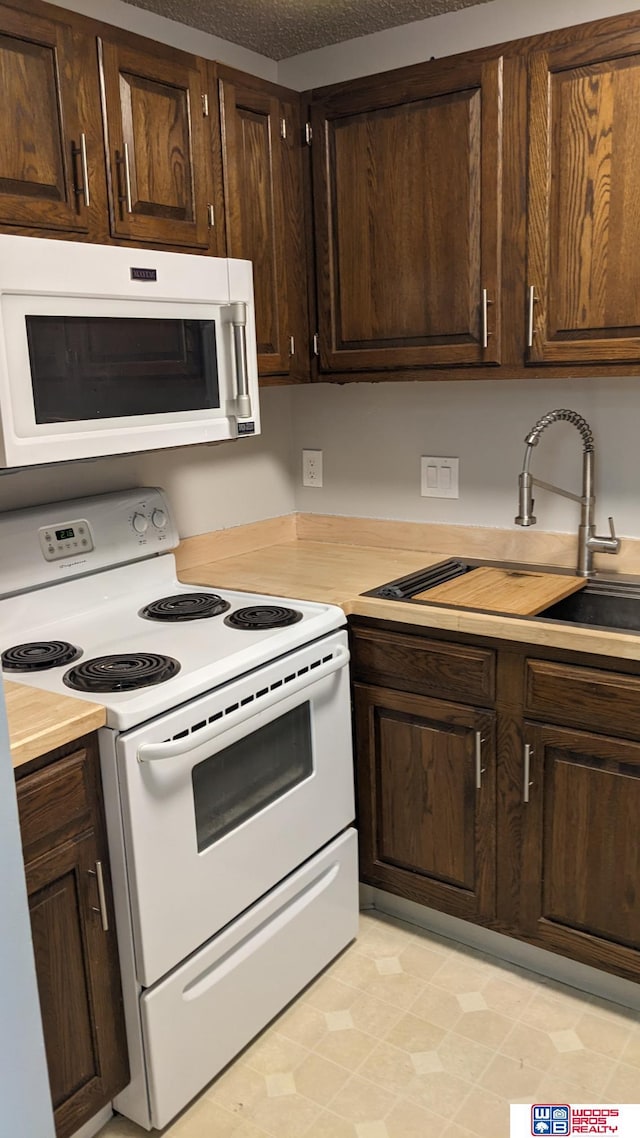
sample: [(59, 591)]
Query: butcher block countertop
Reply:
[(337, 572), (39, 721)]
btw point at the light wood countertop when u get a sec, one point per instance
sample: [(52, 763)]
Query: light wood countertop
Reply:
[(40, 721), (338, 573)]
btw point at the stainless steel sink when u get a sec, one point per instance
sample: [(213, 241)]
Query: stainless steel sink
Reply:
[(602, 603)]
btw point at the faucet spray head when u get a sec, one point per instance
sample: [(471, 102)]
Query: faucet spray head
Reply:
[(525, 515)]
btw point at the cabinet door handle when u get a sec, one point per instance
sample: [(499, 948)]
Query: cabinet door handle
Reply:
[(82, 151), (528, 751), (479, 767), (124, 162), (97, 873), (485, 318), (533, 299)]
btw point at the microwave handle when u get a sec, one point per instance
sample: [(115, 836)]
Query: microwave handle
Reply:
[(176, 748), (238, 320)]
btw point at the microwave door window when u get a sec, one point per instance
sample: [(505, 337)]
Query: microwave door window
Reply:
[(87, 368)]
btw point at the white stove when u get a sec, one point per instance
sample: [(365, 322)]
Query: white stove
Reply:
[(100, 615), (227, 775)]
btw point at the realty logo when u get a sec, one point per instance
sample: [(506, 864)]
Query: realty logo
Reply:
[(550, 1119)]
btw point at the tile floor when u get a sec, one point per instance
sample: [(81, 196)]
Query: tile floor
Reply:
[(408, 1035)]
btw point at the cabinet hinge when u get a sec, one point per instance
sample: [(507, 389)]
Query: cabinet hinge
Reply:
[(316, 344), (292, 346), (308, 133), (211, 217), (205, 106), (283, 128)]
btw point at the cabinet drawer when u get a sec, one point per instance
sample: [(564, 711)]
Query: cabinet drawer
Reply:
[(429, 667), (54, 803), (583, 697)]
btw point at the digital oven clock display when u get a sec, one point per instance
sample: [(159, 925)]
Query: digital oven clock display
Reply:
[(65, 534)]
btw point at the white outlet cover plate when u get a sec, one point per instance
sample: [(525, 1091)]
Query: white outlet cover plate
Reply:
[(312, 468), (439, 477)]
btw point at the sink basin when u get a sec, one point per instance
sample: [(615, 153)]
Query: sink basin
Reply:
[(605, 604)]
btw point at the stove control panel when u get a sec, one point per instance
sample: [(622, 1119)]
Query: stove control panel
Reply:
[(65, 539), (48, 543)]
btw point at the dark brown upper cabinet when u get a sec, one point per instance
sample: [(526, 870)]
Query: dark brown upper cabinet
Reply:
[(264, 215), (155, 109), (50, 151), (407, 192), (583, 270)]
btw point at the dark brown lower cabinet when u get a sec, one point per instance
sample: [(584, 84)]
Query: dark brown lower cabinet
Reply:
[(522, 817), (427, 799), (70, 903), (580, 850)]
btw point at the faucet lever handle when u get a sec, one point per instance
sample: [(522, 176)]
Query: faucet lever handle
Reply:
[(612, 530)]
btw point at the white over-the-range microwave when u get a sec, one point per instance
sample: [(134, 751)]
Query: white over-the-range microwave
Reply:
[(108, 350)]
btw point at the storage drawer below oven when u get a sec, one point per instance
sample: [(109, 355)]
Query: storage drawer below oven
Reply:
[(201, 1015)]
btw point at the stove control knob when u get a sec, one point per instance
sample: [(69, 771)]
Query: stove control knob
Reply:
[(140, 523), (159, 519)]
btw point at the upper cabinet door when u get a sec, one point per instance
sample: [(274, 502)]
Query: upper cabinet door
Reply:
[(584, 192), (44, 147), (262, 162), (407, 188), (154, 111)]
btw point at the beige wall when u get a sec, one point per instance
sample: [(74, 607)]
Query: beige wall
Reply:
[(470, 28), (210, 487), (177, 35), (373, 435)]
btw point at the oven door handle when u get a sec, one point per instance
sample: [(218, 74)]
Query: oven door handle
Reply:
[(176, 748)]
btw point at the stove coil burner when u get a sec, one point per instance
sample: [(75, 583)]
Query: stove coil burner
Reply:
[(257, 617), (39, 655), (185, 606), (121, 672)]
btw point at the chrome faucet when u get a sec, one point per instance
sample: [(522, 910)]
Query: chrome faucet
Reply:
[(588, 541)]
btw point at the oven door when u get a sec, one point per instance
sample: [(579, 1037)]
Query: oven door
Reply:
[(224, 797)]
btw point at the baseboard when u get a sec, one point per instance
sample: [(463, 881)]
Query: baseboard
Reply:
[(549, 964), (94, 1124)]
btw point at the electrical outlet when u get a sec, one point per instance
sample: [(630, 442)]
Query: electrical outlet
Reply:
[(439, 477), (312, 468)]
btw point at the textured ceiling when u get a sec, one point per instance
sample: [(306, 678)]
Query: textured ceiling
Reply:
[(282, 28)]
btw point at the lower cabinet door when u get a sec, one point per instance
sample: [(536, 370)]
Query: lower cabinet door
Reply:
[(78, 981), (580, 869), (426, 800)]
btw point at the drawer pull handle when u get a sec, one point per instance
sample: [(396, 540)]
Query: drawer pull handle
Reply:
[(528, 751), (479, 767), (97, 873)]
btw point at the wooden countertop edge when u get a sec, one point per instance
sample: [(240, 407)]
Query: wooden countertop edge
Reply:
[(574, 638), (40, 721)]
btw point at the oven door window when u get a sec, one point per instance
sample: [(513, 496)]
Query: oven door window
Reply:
[(106, 367), (236, 783)]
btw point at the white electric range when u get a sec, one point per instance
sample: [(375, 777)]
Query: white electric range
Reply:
[(226, 768)]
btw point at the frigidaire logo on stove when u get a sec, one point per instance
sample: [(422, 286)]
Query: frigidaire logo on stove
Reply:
[(72, 564), (144, 274)]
